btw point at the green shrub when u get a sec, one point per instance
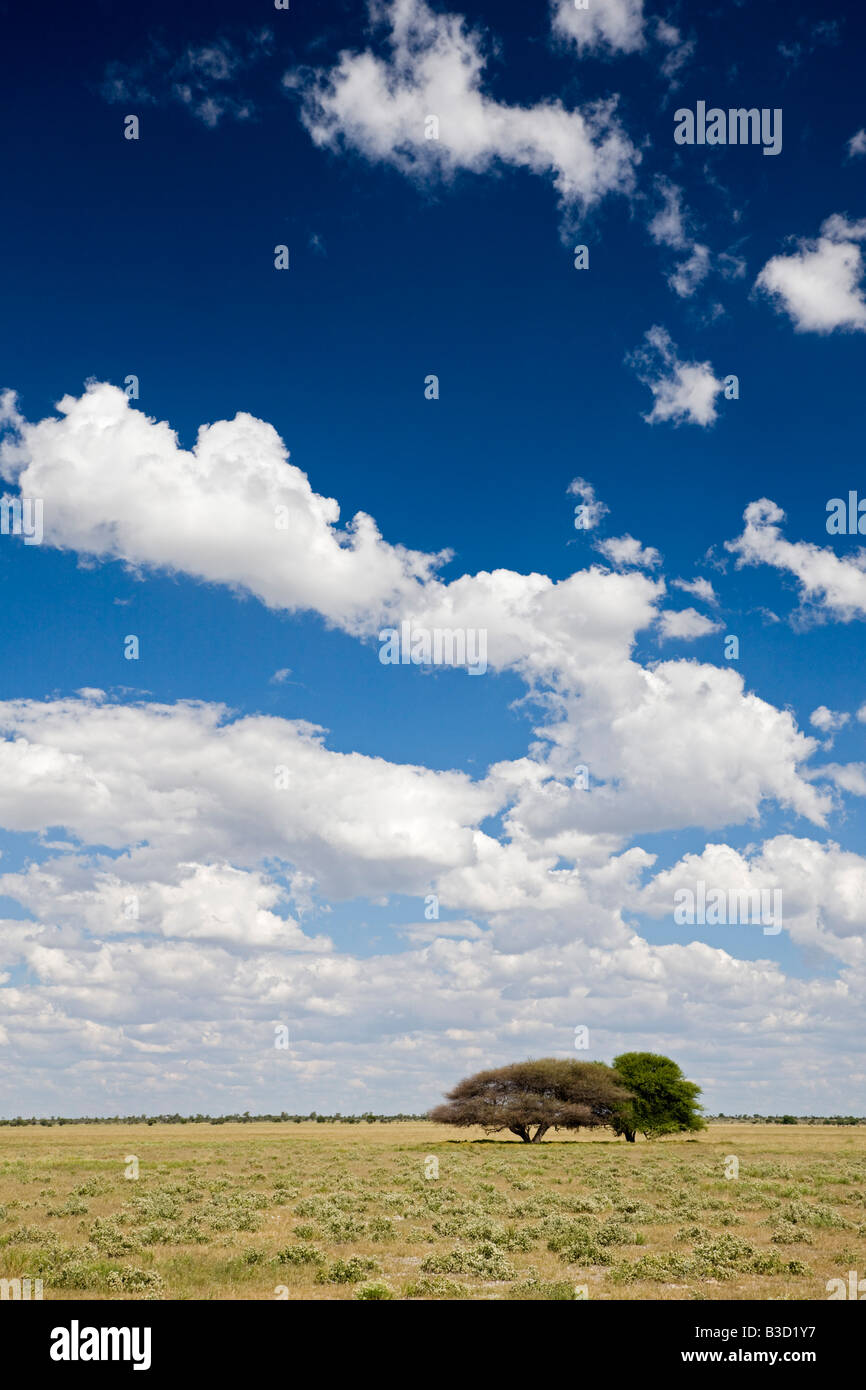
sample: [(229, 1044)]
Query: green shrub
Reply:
[(135, 1280), (83, 1274), (350, 1271), (300, 1254), (106, 1235), (484, 1259), (436, 1287), (73, 1206), (532, 1289), (373, 1292), (804, 1214), (786, 1234)]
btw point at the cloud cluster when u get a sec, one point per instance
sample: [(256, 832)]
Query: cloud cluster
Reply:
[(700, 588), (203, 78), (683, 392), (686, 624), (233, 510), (820, 284), (829, 585), (857, 144), (827, 720), (669, 227), (589, 510), (625, 551), (424, 110), (823, 889), (675, 745), (117, 486), (613, 26), (189, 779), (192, 858), (183, 1026)]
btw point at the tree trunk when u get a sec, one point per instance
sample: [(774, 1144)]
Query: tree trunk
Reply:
[(629, 1136), (522, 1132), (540, 1133)]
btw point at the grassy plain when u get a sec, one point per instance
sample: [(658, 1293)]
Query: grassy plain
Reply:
[(326, 1211)]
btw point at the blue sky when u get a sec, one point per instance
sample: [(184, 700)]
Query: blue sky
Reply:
[(154, 778)]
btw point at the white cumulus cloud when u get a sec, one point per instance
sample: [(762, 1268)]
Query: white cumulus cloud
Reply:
[(829, 585), (685, 624), (612, 25), (626, 551), (683, 392), (424, 109), (700, 588), (828, 720), (820, 284)]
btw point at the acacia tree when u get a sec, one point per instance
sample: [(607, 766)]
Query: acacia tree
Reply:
[(547, 1093), (663, 1101)]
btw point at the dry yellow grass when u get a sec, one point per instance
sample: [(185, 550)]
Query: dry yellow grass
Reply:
[(323, 1211)]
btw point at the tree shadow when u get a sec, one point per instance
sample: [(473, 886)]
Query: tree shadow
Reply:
[(518, 1143)]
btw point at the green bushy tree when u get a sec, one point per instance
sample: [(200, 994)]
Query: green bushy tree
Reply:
[(662, 1100)]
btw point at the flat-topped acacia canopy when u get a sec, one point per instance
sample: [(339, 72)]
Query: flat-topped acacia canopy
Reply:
[(536, 1095)]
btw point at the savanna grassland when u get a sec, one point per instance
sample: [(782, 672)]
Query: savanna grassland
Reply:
[(328, 1211)]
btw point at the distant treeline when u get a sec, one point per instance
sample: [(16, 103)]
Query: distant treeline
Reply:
[(245, 1119), (788, 1119), (369, 1118)]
